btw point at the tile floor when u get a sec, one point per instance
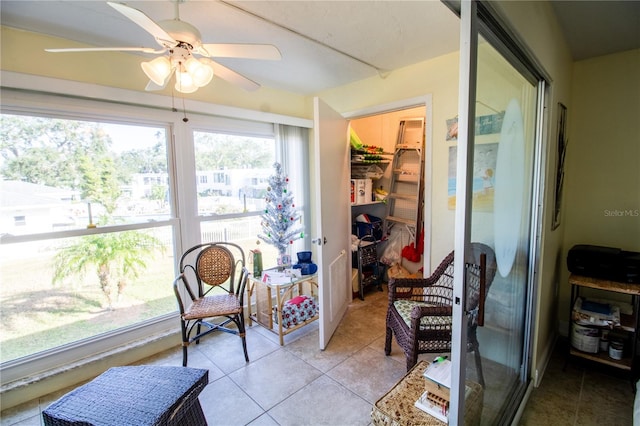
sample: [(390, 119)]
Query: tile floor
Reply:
[(297, 384), (580, 393)]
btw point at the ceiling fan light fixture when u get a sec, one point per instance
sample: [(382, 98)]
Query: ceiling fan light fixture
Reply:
[(200, 71), (184, 82), (157, 69)]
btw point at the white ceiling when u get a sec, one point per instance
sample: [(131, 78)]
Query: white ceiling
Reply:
[(373, 36)]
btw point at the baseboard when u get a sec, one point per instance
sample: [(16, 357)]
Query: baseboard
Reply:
[(546, 358)]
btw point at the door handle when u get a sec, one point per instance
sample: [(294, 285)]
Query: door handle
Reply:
[(319, 241), (483, 288)]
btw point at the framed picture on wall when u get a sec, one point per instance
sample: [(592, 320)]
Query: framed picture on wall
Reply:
[(560, 157)]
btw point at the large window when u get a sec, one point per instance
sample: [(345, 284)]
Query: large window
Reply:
[(85, 240), (97, 202)]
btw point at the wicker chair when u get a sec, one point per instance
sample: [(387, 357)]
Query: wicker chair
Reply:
[(221, 278), (419, 311)]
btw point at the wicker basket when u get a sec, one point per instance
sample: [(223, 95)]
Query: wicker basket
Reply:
[(396, 407)]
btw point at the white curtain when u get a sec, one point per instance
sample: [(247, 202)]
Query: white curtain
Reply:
[(292, 151)]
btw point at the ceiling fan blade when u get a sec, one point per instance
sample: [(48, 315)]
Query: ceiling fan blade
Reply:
[(248, 51), (146, 23), (231, 76), (107, 49)]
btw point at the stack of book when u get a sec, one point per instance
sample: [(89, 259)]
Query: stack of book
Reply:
[(435, 399)]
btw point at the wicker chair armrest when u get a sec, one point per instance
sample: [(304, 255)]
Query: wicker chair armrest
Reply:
[(180, 283), (418, 312), (433, 311)]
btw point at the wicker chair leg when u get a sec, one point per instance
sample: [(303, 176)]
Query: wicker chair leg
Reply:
[(387, 342), (411, 361), (185, 342), (244, 348), (243, 335), (476, 351), (412, 353), (198, 331), (184, 356)]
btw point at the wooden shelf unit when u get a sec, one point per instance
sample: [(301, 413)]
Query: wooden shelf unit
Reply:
[(261, 293), (628, 322)]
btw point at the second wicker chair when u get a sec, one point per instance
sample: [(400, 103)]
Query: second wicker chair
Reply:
[(419, 313)]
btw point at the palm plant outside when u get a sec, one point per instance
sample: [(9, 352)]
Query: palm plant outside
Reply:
[(115, 257)]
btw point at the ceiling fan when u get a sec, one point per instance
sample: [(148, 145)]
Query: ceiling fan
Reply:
[(181, 41)]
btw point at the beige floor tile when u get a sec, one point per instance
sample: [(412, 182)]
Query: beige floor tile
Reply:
[(225, 350), (323, 402), (264, 420), (599, 418), (275, 377), (225, 404), (368, 374), (606, 397), (340, 347), (548, 413)]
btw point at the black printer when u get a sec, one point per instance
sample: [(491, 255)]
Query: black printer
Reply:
[(604, 262)]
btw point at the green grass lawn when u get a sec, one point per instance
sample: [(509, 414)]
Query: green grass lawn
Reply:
[(37, 316)]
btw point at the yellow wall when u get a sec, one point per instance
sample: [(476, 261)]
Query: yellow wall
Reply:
[(602, 203)]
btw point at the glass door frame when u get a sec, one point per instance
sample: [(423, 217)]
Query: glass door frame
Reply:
[(479, 18)]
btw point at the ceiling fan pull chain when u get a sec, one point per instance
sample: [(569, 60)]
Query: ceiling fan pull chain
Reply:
[(184, 111)]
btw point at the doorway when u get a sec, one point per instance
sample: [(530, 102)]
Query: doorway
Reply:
[(382, 131), (332, 208)]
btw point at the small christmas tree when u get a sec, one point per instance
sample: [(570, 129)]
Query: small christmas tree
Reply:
[(278, 220)]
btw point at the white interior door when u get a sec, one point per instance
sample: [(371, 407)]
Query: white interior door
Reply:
[(332, 233)]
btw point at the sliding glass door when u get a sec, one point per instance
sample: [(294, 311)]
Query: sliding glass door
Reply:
[(496, 216)]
